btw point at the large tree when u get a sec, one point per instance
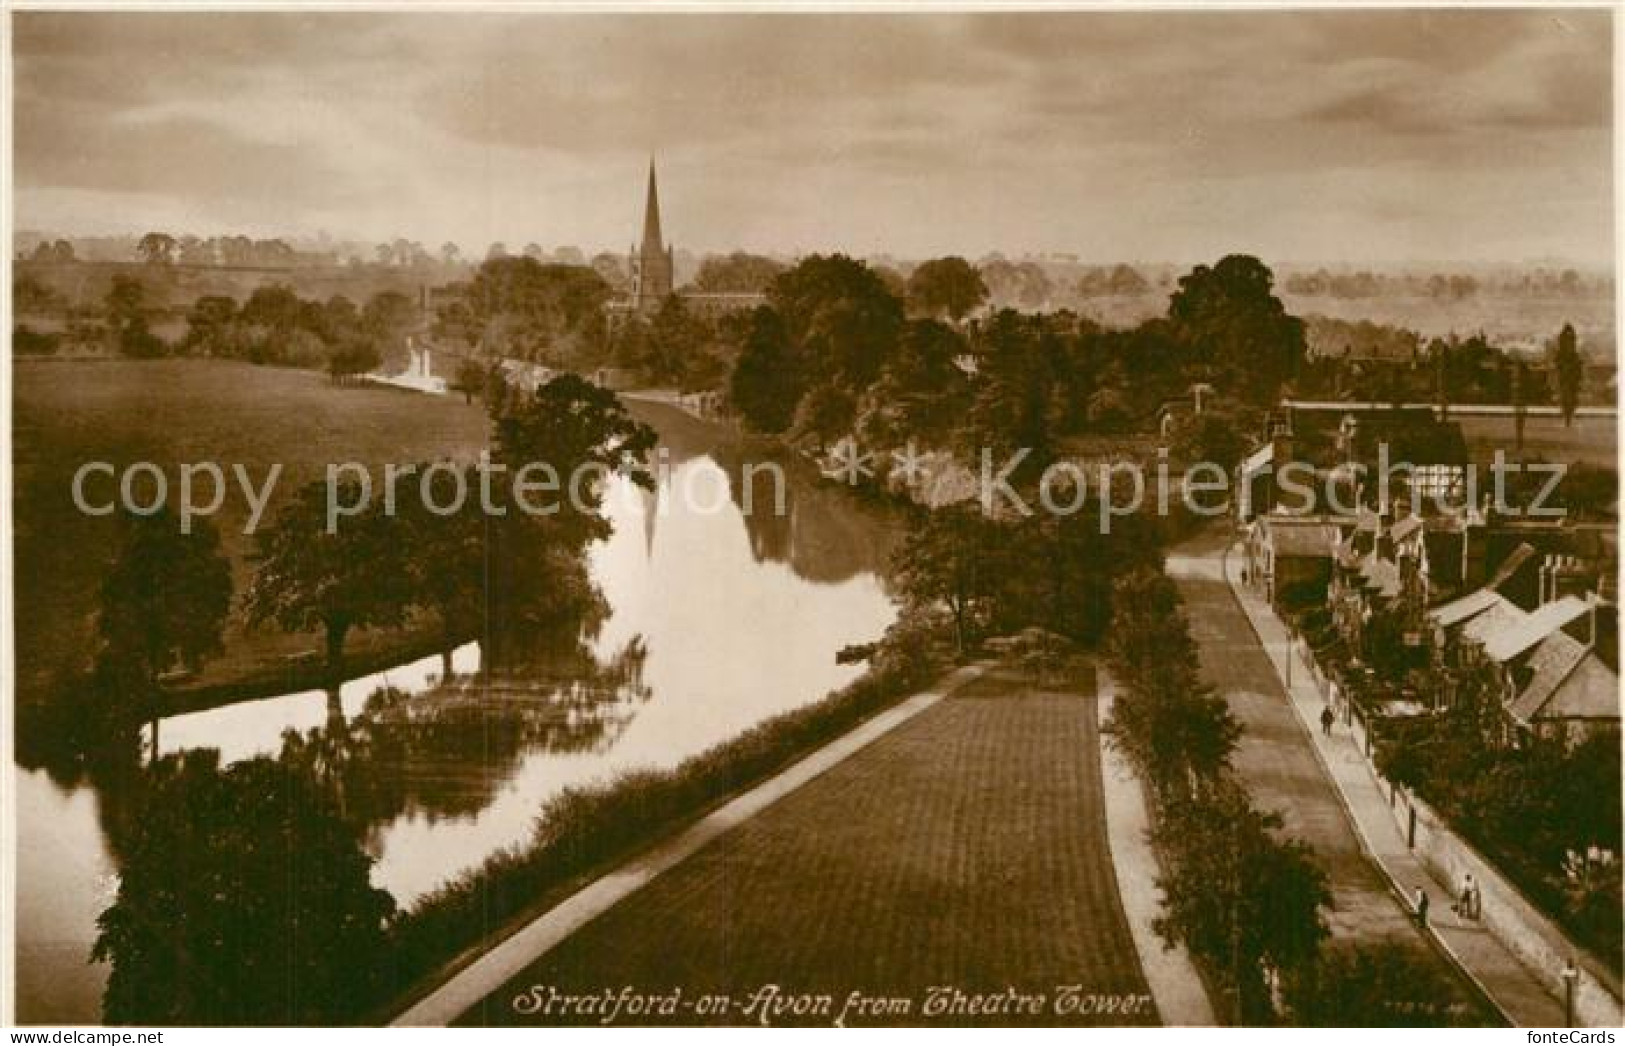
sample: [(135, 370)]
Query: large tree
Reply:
[(571, 424), (386, 320), (946, 286), (243, 899), (950, 561), (313, 576), (1212, 436), (1241, 897), (524, 308), (842, 321), (1568, 368), (125, 306), (445, 529), (736, 273), (157, 248), (471, 378), (211, 326), (1012, 285), (922, 393), (1016, 383), (766, 382), (1232, 318), (164, 601), (537, 576), (677, 338)]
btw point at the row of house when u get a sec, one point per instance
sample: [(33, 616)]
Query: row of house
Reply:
[(1539, 601)]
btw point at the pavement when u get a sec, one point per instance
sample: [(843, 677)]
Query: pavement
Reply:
[(954, 855), (1516, 991), (1276, 758), (1181, 995)]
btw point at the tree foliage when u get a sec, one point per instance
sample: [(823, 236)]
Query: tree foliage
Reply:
[(1568, 369), (841, 320), (1388, 984), (526, 309), (766, 384), (736, 273), (1243, 899), (243, 899), (1230, 314), (164, 600), (948, 287), (313, 576)]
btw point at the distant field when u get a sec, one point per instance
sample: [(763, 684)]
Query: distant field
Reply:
[(87, 283), (1593, 440), (170, 412), (1502, 320)]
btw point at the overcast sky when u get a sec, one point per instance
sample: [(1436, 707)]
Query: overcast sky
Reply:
[(1361, 136)]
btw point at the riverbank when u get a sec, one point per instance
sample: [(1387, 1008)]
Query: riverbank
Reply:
[(185, 410), (170, 412), (585, 833)]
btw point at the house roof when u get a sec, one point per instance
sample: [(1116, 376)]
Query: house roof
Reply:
[(1517, 635), (1383, 576), (1416, 438), (1405, 528), (1499, 618), (1471, 605), (1258, 459), (1569, 682), (1301, 538)]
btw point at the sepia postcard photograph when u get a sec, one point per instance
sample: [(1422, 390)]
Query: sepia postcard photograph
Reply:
[(598, 516)]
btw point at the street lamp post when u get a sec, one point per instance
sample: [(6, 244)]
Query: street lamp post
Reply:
[(1289, 662)]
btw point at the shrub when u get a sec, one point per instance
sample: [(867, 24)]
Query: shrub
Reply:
[(26, 341), (1383, 985)]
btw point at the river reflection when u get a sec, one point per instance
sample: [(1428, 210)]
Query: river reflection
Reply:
[(717, 620)]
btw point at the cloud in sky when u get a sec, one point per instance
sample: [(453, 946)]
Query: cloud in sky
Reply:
[(1369, 135)]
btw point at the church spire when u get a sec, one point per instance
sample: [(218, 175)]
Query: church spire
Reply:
[(652, 262), (652, 243)]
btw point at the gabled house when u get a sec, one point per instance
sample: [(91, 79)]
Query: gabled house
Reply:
[(1556, 681), (1290, 558)]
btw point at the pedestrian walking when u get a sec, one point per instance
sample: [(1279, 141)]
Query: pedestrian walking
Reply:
[(1327, 718), (1469, 897), (1421, 907)]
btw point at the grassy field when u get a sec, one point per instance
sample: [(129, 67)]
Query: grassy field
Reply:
[(174, 411), (1592, 440), (85, 284), (835, 888)]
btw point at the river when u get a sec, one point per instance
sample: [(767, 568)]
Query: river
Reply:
[(718, 620)]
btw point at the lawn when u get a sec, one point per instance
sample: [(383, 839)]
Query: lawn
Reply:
[(1590, 439), (175, 411), (965, 849)]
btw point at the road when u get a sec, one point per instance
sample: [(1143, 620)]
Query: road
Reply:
[(1276, 761)]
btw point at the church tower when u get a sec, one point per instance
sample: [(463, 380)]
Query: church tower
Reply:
[(652, 264)]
